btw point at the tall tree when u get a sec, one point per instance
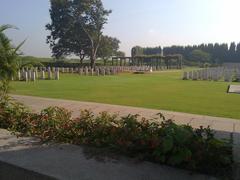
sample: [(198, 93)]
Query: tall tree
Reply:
[(199, 56), (91, 16), (238, 52), (66, 35), (120, 54), (232, 52), (151, 51), (219, 53), (136, 51), (76, 27), (108, 47)]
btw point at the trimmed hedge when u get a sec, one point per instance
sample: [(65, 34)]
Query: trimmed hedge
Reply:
[(157, 140)]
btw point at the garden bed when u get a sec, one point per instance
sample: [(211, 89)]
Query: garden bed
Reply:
[(160, 141)]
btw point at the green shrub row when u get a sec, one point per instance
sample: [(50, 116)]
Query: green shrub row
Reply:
[(153, 140)]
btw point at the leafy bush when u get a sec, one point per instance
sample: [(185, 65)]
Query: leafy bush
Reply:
[(157, 140)]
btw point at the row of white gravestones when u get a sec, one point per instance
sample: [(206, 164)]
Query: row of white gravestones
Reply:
[(33, 75), (53, 72), (237, 75), (96, 71), (118, 69), (215, 74)]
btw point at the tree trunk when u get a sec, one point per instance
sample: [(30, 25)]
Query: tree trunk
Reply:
[(93, 57), (93, 61), (80, 63), (81, 60), (104, 61)]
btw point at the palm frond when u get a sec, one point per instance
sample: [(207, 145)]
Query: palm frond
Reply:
[(7, 26), (19, 46)]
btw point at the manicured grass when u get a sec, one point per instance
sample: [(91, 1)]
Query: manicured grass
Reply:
[(163, 90)]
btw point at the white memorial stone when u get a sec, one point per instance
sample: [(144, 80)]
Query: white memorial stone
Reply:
[(86, 71), (26, 76), (92, 71), (234, 89), (81, 71), (56, 73), (195, 75), (185, 76), (33, 76), (190, 75), (29, 74), (49, 75), (97, 71), (43, 75), (19, 75)]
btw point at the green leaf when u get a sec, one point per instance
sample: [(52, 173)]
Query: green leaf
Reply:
[(182, 135), (180, 156), (167, 144)]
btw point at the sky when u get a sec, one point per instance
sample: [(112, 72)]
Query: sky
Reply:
[(133, 22)]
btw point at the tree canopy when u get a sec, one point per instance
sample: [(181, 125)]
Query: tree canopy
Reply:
[(120, 54), (219, 53), (200, 56), (108, 47), (76, 27)]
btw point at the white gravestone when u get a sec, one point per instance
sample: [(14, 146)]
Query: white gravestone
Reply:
[(49, 74), (185, 76), (33, 76), (26, 76), (56, 73), (43, 75)]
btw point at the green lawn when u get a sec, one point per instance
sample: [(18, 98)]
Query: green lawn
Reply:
[(164, 90)]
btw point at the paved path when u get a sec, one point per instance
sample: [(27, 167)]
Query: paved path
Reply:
[(225, 128), (217, 123)]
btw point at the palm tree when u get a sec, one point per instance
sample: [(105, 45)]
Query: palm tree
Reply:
[(8, 60)]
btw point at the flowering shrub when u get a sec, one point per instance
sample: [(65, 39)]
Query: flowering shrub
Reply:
[(160, 141)]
